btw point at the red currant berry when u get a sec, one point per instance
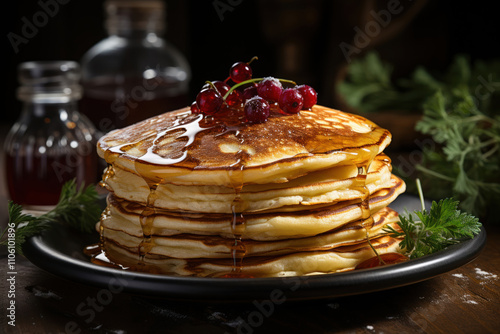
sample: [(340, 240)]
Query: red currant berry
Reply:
[(222, 87), (257, 110), (250, 92), (194, 108), (309, 94), (291, 101), (270, 89), (209, 101), (240, 72), (235, 98)]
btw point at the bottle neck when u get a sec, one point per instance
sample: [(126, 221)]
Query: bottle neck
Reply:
[(63, 111), (135, 34), (135, 20)]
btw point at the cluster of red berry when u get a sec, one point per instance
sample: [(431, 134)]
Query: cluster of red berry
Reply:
[(255, 95)]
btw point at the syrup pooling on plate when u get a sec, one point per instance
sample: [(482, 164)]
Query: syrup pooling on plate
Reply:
[(96, 251)]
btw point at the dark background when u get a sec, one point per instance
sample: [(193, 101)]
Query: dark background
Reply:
[(293, 39)]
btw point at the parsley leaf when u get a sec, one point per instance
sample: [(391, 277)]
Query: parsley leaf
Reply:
[(425, 232)]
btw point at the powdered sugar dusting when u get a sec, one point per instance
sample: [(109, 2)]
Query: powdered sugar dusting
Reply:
[(470, 301), (485, 277), (485, 274), (467, 299)]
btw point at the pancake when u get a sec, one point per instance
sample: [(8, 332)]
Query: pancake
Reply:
[(296, 264), (126, 216), (202, 246), (325, 186), (183, 148)]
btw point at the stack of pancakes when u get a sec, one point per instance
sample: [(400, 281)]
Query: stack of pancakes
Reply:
[(199, 196)]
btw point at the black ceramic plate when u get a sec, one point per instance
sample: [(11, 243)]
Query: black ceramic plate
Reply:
[(59, 251)]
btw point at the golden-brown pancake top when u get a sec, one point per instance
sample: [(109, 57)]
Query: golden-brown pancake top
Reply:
[(219, 143), (287, 144)]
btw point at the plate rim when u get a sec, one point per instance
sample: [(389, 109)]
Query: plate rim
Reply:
[(201, 289)]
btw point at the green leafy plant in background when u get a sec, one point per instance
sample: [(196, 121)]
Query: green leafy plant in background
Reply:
[(466, 159), (369, 87), (460, 109)]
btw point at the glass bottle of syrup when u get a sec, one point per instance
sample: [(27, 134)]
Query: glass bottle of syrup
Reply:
[(51, 142), (134, 73)]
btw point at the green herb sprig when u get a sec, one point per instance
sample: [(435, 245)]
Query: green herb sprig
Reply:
[(425, 232), (77, 207)]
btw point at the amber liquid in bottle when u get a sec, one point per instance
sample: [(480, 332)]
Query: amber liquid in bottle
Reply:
[(37, 180), (110, 106)]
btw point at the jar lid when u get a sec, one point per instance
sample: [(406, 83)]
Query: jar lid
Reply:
[(51, 81)]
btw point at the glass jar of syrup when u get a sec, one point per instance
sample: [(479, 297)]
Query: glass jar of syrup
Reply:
[(134, 73), (51, 142)]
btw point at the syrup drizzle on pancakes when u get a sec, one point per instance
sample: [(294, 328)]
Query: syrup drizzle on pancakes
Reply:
[(169, 146)]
